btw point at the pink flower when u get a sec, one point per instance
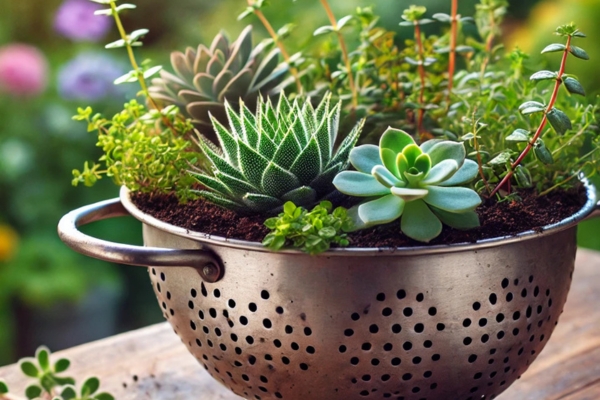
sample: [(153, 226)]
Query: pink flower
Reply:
[(23, 70)]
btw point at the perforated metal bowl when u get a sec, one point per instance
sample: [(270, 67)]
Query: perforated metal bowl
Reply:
[(443, 322)]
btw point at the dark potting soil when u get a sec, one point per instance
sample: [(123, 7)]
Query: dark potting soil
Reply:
[(497, 219)]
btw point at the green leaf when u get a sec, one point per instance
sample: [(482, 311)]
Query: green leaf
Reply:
[(365, 157), (252, 164), (3, 387), (33, 392), (463, 221), (116, 44), (419, 222), (125, 6), (579, 52), (103, 396), (501, 159), (288, 151), (440, 172), (29, 369), (452, 199), (395, 140), (307, 165), (43, 357), (261, 203), (555, 47), (343, 21), (465, 174), (90, 386), (409, 194), (542, 153), (523, 177), (135, 35), (382, 210), (69, 393), (149, 73), (464, 49), (559, 121), (62, 381), (384, 176), (519, 135), (302, 196), (543, 75), (276, 181), (212, 183), (530, 107), (323, 30), (442, 17), (359, 184), (446, 150), (573, 86)]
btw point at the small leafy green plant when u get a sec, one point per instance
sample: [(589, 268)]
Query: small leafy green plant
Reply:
[(50, 384), (419, 184), (311, 231)]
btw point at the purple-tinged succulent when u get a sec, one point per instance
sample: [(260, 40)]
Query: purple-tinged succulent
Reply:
[(90, 77), (75, 20), (23, 70)]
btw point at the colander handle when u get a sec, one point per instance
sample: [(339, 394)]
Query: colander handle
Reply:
[(209, 267)]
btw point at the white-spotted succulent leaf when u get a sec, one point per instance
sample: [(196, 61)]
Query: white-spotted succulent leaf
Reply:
[(420, 185), (283, 152)]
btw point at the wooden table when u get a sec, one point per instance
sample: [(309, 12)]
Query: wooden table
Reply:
[(151, 363)]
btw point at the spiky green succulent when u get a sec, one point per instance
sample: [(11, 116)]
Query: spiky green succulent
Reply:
[(205, 78), (282, 153), (421, 185)]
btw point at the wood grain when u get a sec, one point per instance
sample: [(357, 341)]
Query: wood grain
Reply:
[(151, 363)]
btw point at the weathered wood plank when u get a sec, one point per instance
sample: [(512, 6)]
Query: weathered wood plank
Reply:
[(151, 363)]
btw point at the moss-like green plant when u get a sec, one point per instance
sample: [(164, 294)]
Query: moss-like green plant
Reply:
[(419, 184), (281, 153), (311, 231)]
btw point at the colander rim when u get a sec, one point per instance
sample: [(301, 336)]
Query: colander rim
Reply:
[(572, 221)]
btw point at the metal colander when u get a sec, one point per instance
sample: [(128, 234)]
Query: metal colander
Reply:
[(445, 322)]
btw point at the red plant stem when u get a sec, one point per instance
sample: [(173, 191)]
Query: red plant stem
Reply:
[(453, 40), (345, 53), (540, 129), (421, 75)]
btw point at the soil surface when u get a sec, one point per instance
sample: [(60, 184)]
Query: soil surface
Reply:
[(497, 219)]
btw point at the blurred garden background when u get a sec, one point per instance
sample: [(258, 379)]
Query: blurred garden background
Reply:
[(52, 60)]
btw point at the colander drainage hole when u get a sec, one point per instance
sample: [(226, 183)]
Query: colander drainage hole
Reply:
[(231, 303), (265, 295), (252, 307), (289, 330), (203, 290), (217, 293), (279, 310), (467, 322), (355, 316), (212, 312)]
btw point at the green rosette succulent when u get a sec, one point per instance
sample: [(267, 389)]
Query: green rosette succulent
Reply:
[(420, 185), (283, 152)]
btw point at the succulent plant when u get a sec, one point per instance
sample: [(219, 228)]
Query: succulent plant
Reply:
[(419, 184), (206, 77), (283, 153)]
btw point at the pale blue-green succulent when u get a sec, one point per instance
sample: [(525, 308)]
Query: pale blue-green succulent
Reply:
[(420, 185), (282, 153)]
